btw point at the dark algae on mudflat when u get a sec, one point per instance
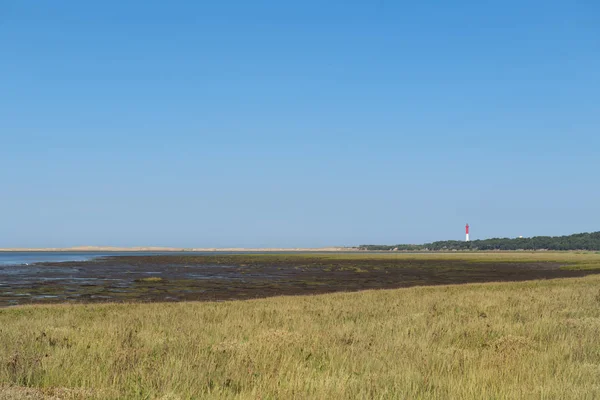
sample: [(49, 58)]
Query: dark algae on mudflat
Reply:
[(229, 277)]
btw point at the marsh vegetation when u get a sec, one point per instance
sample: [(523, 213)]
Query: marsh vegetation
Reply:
[(502, 340), (536, 339)]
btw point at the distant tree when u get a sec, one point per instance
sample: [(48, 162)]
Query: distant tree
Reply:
[(579, 241)]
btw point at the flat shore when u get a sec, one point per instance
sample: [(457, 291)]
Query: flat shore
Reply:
[(217, 277)]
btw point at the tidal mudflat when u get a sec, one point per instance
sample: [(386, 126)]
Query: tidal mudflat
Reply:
[(165, 278)]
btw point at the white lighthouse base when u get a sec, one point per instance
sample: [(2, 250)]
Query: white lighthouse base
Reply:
[(467, 239)]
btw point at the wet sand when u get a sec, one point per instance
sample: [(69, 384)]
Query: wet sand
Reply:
[(231, 277)]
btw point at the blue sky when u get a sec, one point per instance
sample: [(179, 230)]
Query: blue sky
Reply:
[(235, 123)]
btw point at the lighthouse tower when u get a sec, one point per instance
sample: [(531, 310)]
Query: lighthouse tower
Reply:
[(467, 233)]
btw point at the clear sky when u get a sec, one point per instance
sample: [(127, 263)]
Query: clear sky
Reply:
[(296, 123)]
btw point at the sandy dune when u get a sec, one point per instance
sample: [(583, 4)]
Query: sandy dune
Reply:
[(144, 249)]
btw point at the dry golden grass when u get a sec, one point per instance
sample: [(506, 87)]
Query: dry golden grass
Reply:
[(538, 339)]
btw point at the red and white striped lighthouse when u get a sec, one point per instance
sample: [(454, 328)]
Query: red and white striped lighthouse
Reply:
[(467, 232)]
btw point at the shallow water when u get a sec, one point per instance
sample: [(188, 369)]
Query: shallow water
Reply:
[(27, 257), (33, 257)]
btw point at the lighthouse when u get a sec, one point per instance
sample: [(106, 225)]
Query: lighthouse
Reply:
[(467, 233)]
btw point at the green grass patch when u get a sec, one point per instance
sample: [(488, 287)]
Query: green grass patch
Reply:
[(152, 279)]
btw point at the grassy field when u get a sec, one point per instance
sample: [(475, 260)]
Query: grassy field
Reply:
[(536, 339)]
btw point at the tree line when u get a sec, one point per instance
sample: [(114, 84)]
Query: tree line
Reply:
[(579, 241)]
